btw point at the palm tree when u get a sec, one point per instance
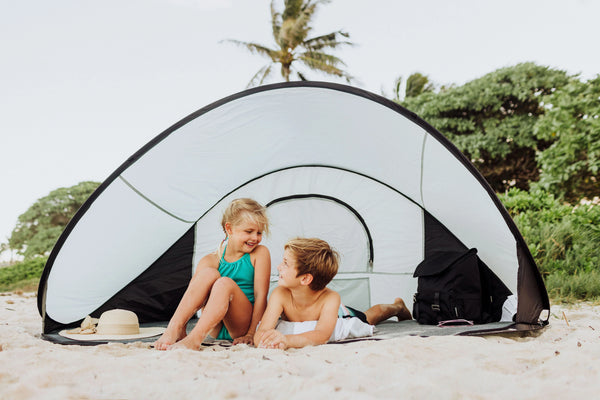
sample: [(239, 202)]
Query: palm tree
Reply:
[(290, 31), (416, 84)]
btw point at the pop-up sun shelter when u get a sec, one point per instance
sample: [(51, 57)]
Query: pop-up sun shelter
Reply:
[(330, 161)]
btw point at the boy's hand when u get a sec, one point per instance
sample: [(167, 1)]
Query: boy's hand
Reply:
[(246, 339), (273, 339)]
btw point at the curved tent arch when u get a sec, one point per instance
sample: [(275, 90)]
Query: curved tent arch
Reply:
[(344, 204), (161, 194)]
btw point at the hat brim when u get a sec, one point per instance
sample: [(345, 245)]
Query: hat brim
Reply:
[(144, 333)]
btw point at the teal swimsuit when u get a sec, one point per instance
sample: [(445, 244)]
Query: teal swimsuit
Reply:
[(242, 273)]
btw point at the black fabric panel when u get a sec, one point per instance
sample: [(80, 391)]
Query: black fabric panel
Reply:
[(494, 292), (155, 294), (439, 239), (531, 291), (49, 325)]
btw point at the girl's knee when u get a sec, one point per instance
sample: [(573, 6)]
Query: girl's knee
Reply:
[(208, 274), (224, 283)]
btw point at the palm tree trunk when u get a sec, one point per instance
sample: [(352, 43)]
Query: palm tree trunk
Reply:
[(285, 71)]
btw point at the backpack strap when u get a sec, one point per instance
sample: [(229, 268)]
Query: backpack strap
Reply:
[(454, 322), (435, 306)]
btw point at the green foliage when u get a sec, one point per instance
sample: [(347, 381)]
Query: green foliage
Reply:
[(397, 86), (562, 238), (39, 228), (569, 288), (293, 46), (22, 273), (416, 84), (571, 165), (492, 119)]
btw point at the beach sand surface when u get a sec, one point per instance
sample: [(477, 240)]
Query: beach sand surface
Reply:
[(563, 362)]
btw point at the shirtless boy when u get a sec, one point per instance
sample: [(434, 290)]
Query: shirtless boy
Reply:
[(308, 266), (301, 295)]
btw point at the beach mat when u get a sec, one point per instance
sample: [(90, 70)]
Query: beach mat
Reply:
[(385, 330), (391, 329)]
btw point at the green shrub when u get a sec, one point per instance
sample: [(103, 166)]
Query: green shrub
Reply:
[(21, 274), (562, 238), (580, 286)]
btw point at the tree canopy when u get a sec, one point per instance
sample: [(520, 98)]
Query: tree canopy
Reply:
[(291, 28), (570, 165), (492, 119), (39, 228)]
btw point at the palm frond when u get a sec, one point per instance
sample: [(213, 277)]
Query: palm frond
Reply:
[(276, 20), (310, 6), (320, 58), (299, 28), (292, 34), (301, 76), (260, 76), (294, 30), (292, 8), (296, 23), (255, 48), (330, 40), (325, 63)]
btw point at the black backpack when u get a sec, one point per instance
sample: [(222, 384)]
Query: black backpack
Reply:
[(457, 286)]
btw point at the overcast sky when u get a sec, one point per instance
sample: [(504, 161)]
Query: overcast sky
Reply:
[(85, 84)]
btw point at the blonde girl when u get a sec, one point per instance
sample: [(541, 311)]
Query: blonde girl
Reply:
[(230, 285)]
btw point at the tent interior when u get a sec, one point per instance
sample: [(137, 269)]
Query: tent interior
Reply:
[(383, 187)]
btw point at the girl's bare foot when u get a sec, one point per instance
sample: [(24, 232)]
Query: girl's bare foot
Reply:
[(188, 342), (403, 312), (171, 336)]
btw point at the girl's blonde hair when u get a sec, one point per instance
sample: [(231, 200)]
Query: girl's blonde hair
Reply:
[(246, 209)]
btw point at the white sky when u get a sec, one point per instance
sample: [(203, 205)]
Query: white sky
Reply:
[(85, 84)]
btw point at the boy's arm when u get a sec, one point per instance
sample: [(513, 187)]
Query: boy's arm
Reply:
[(262, 273), (271, 315), (320, 335)]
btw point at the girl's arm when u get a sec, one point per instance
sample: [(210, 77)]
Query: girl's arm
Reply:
[(262, 274)]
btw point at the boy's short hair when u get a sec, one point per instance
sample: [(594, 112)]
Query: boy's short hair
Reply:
[(314, 256)]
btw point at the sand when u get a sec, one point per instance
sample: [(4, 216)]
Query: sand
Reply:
[(563, 362)]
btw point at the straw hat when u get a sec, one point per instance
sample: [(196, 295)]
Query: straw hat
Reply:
[(114, 324)]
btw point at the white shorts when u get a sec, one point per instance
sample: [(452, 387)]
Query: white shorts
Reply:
[(345, 328)]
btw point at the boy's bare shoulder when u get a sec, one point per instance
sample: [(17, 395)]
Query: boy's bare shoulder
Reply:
[(330, 295), (328, 302), (326, 298), (280, 292)]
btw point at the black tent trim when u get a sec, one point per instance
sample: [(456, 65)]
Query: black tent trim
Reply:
[(336, 200)]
